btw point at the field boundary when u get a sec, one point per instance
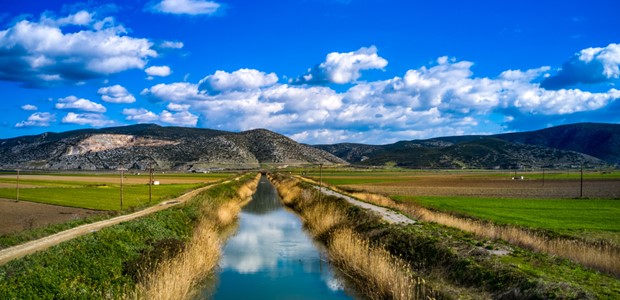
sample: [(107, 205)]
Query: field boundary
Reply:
[(15, 252)]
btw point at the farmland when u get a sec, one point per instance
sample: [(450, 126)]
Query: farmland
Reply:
[(552, 205)]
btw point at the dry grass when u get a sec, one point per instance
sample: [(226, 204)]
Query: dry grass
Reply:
[(602, 257), (177, 277), (378, 274)]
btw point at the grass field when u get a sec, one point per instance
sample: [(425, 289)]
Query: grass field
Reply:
[(569, 216), (100, 192)]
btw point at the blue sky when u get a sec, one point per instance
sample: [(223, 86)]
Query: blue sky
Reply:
[(318, 71)]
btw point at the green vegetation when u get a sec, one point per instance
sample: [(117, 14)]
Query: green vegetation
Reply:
[(455, 262), (109, 263), (99, 196), (560, 215), (12, 239)]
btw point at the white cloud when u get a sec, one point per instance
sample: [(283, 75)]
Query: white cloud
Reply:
[(41, 54), (38, 119), (140, 115), (75, 103), (183, 118), (187, 7), (116, 94), (177, 107), (95, 120), (161, 71), (443, 99), (591, 65), (29, 107), (240, 80), (344, 67), (178, 91), (171, 45)]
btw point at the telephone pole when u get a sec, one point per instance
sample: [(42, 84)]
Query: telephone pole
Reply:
[(122, 172), (581, 184), (17, 186), (150, 184)]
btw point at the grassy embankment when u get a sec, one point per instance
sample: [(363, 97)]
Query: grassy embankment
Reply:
[(130, 260), (446, 255), (377, 273)]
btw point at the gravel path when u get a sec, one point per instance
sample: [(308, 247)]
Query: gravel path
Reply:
[(387, 214), (22, 250)]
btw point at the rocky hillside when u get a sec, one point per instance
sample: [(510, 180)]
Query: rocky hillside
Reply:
[(562, 146), (141, 146)]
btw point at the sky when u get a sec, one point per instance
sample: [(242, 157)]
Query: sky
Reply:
[(317, 71)]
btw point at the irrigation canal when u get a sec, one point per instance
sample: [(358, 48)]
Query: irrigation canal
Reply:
[(271, 256)]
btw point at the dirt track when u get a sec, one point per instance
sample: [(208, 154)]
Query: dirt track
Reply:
[(388, 215), (9, 254)]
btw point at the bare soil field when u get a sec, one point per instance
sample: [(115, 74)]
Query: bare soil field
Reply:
[(18, 216), (454, 185)]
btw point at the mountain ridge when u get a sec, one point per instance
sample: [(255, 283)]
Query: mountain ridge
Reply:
[(559, 146), (149, 145)]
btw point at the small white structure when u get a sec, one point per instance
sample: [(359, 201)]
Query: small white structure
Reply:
[(155, 182)]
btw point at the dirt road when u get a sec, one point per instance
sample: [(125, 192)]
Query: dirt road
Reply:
[(387, 214), (22, 250)]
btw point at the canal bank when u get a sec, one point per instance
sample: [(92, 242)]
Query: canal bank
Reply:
[(271, 256)]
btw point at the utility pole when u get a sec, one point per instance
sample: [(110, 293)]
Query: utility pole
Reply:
[(320, 181), (581, 185), (150, 184), (17, 186), (122, 172)]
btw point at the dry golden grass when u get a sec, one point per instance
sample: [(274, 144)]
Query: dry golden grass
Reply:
[(602, 257), (378, 273), (177, 277)]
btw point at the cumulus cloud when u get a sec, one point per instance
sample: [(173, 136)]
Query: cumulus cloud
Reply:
[(445, 98), (591, 65), (183, 118), (116, 94), (187, 7), (75, 103), (180, 118), (140, 115), (161, 71), (29, 107), (40, 54), (343, 67), (171, 45), (240, 80), (38, 119), (95, 120), (177, 107)]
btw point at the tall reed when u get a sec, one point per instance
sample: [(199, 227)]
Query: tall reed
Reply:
[(177, 277), (378, 274), (599, 256)]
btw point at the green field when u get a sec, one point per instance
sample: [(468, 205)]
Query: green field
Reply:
[(570, 216), (101, 197)]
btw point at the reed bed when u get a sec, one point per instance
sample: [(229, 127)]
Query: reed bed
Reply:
[(177, 277), (599, 256), (376, 272)]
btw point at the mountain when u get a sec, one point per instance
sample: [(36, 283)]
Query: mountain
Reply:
[(562, 146), (146, 145)]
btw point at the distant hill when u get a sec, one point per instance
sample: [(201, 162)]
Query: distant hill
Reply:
[(561, 146), (142, 146)]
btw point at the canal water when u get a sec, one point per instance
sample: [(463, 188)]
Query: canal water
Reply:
[(272, 257)]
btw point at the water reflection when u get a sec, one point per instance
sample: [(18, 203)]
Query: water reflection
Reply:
[(271, 257)]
